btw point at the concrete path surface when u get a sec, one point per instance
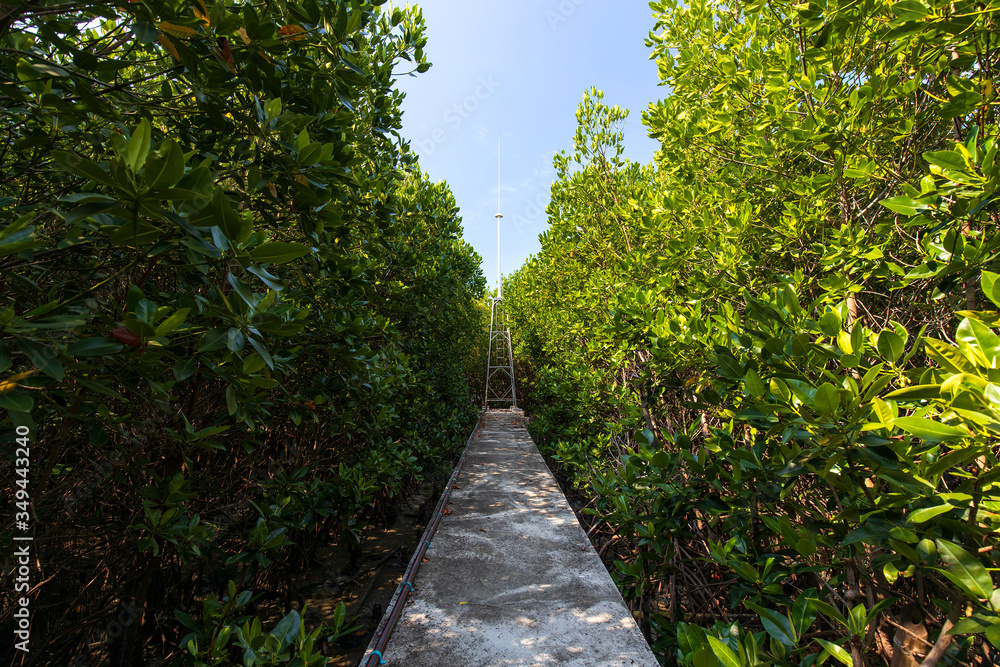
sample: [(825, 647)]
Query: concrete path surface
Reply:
[(511, 578)]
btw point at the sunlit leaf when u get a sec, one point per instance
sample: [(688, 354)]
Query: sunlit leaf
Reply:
[(965, 570)]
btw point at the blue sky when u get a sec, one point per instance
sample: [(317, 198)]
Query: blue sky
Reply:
[(518, 70)]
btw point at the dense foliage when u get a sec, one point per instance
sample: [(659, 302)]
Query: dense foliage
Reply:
[(234, 315), (771, 357)]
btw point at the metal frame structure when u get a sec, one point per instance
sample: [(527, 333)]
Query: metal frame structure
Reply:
[(500, 354), (500, 360)]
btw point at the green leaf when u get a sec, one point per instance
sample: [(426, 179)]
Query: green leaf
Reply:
[(690, 637), (780, 389), (979, 337), (223, 639), (302, 140), (99, 388), (235, 340), (16, 401), (891, 572), (214, 339), (272, 281), (823, 36), (947, 356), (138, 146), (136, 235), (916, 392), (171, 323), (910, 10), (857, 620), (186, 620), (262, 351), (802, 613), (274, 108), (777, 625), (806, 546), (724, 653), (871, 375), (798, 346), (993, 635), (903, 205), (965, 570), (836, 651), (145, 311), (991, 287), (165, 170), (339, 615), (145, 33), (17, 236), (961, 105), (755, 386), (827, 609), (253, 364), (949, 160), (287, 629), (928, 513), (660, 460), (310, 154), (827, 398), (886, 415), (42, 70), (184, 369), (729, 367), (858, 339), (928, 269), (831, 324), (242, 290), (93, 347), (82, 166), (43, 357), (890, 345), (225, 217), (278, 252), (704, 658), (926, 550), (975, 624), (928, 429)]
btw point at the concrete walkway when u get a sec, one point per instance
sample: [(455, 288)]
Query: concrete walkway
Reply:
[(512, 578)]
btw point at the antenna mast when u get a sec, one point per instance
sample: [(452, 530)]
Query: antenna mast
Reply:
[(499, 352), (498, 217)]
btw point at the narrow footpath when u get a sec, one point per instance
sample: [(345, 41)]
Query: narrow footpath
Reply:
[(511, 578)]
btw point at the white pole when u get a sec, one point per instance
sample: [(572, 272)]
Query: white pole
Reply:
[(498, 217)]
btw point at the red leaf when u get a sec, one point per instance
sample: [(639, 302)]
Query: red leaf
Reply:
[(226, 54), (170, 48), (125, 335), (291, 31)]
